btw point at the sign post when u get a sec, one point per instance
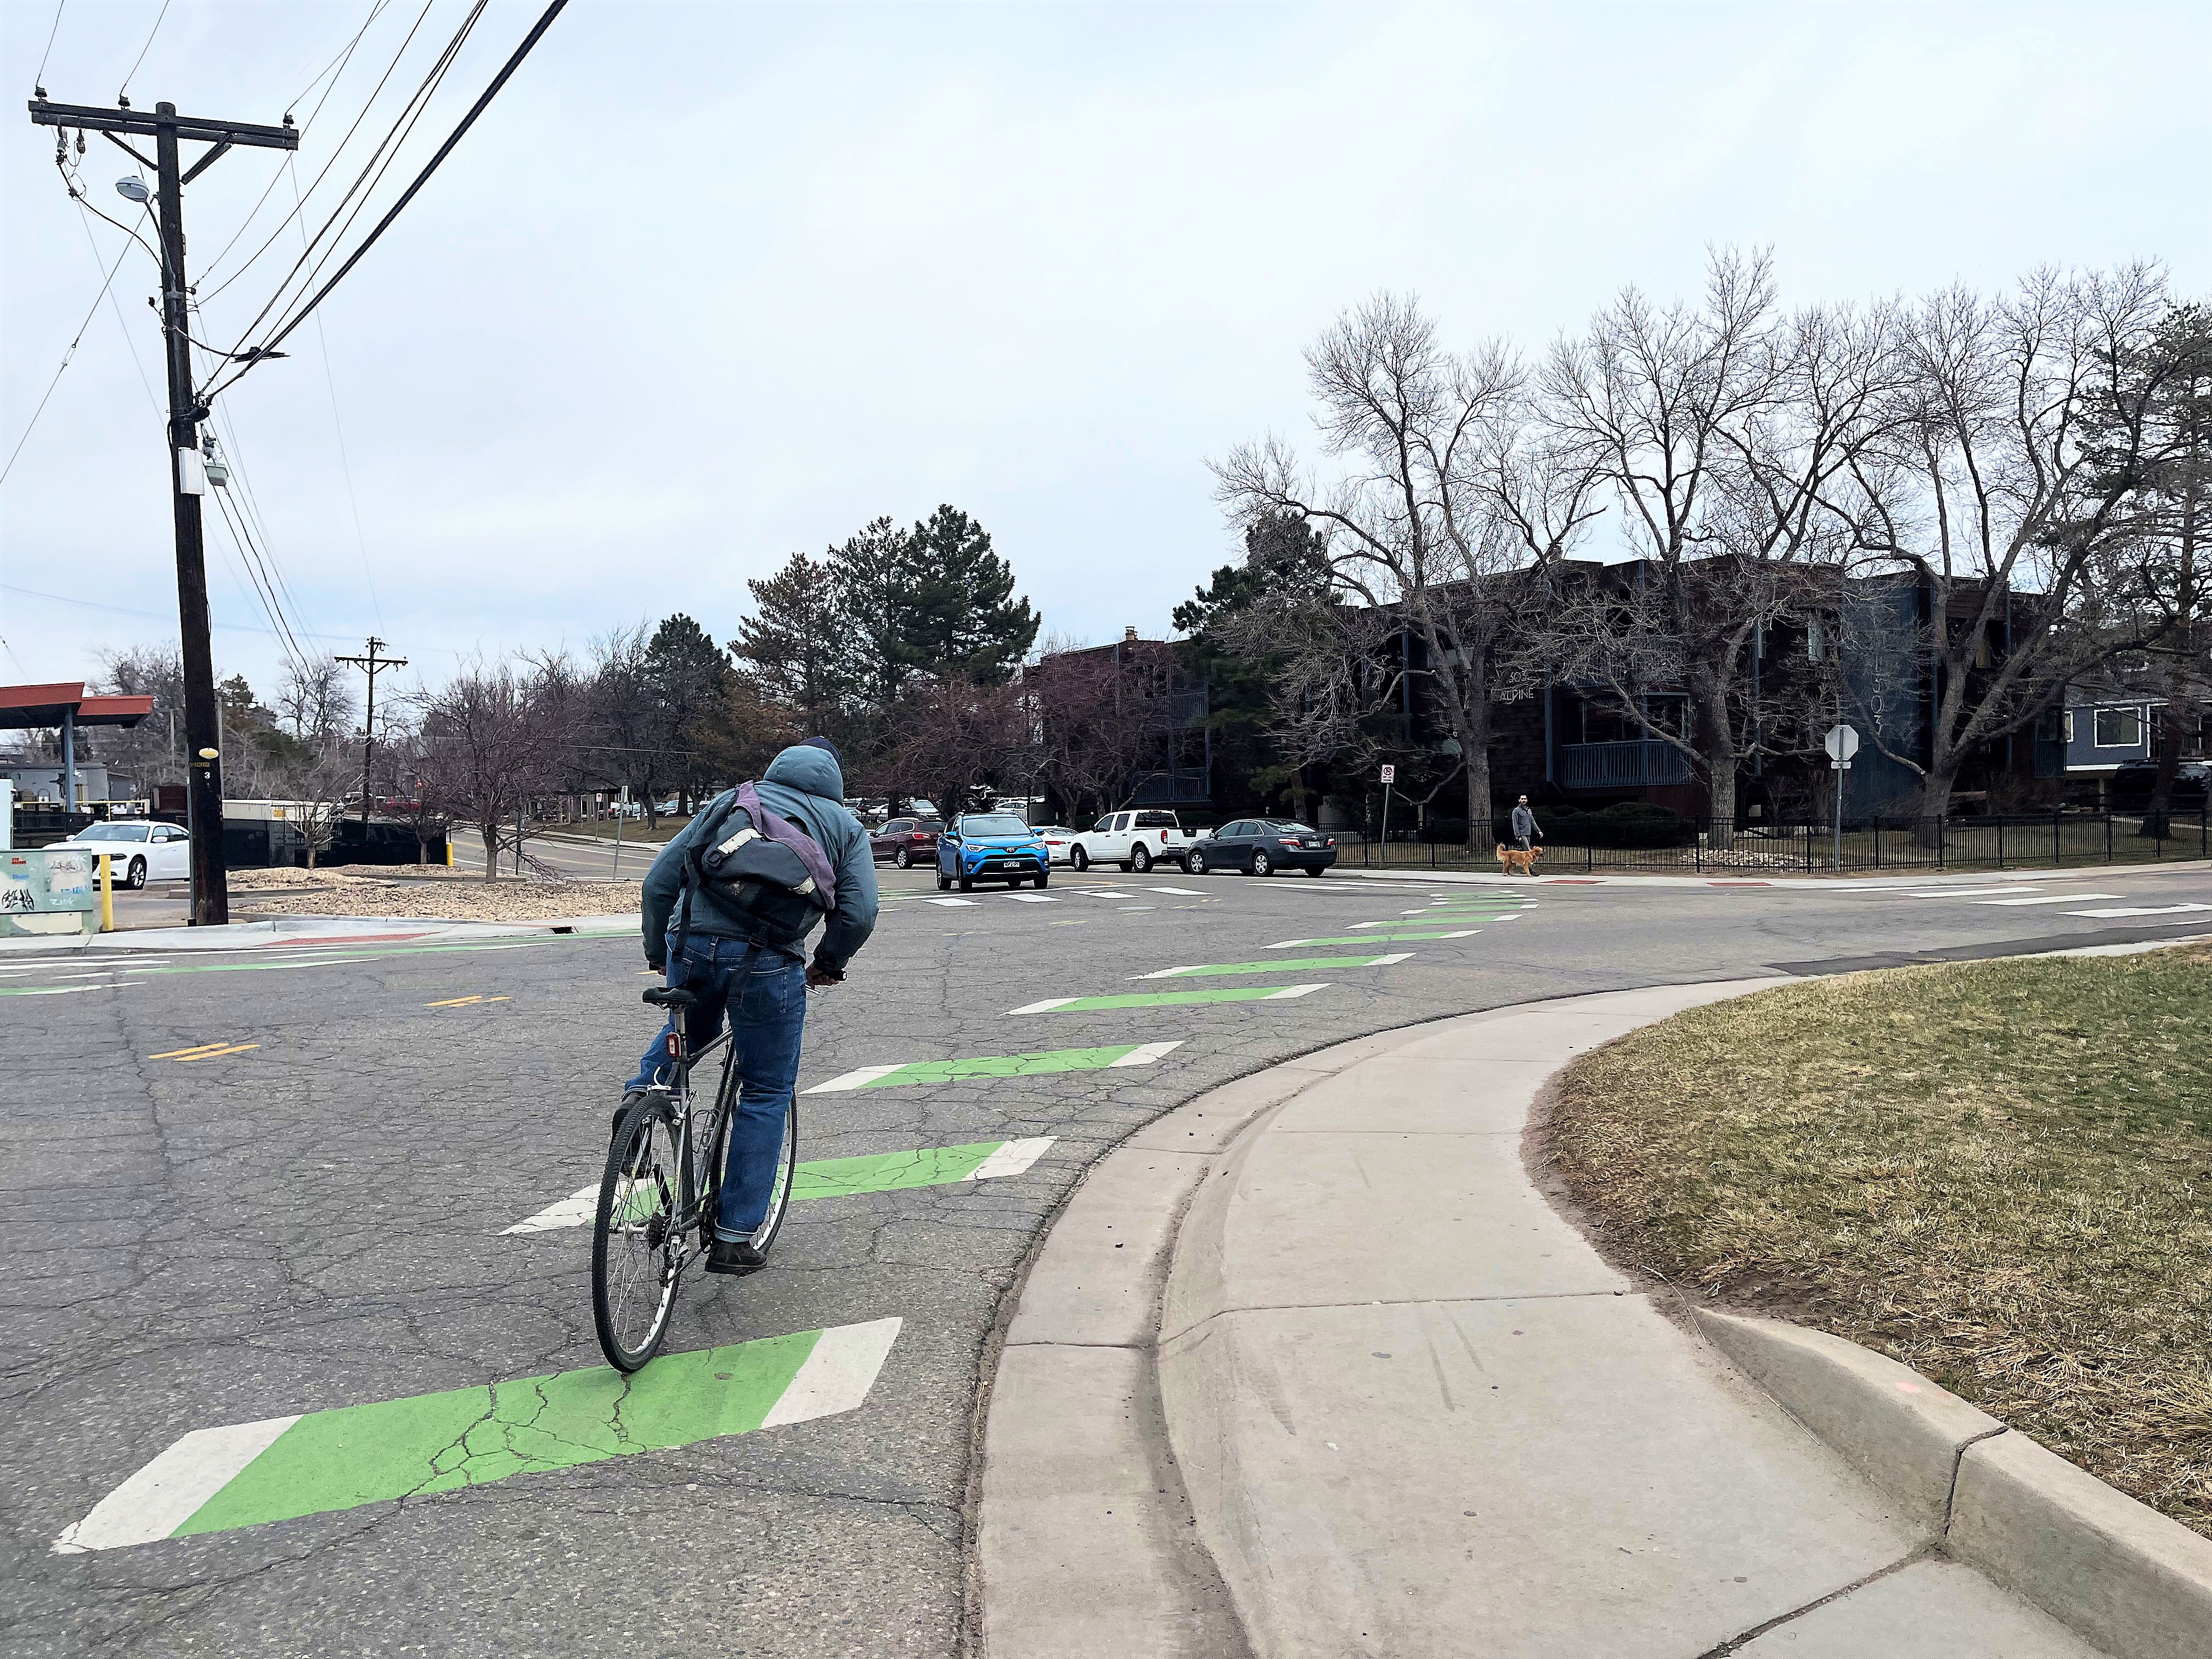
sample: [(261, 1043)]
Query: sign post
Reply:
[(1841, 743), (1390, 777)]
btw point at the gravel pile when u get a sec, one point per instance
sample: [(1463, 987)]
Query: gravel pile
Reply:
[(447, 896)]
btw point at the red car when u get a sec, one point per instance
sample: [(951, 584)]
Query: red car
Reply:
[(908, 842)]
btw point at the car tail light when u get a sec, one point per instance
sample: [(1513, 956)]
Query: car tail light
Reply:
[(1287, 840), (1332, 841), (1163, 837)]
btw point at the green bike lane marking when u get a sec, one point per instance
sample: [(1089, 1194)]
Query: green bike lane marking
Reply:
[(1289, 965), (1371, 939), (841, 1177), (289, 957), (1167, 998), (1042, 1064), (247, 1475)]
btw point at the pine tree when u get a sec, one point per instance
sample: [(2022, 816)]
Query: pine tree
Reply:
[(687, 677), (794, 642), (870, 572), (958, 615)]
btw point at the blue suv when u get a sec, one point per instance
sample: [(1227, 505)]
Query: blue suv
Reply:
[(990, 846)]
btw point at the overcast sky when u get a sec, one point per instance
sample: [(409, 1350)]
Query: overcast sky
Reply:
[(713, 282)]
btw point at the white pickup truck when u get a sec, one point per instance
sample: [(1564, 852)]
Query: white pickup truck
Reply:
[(1135, 840)]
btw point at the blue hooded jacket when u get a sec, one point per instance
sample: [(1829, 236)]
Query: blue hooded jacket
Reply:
[(807, 786)]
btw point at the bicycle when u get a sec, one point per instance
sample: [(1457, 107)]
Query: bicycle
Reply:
[(660, 1191)]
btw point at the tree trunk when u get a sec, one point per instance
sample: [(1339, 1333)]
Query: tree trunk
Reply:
[(311, 855), (490, 831), (1718, 747), (1936, 788), (1474, 750), (1298, 795), (2169, 759)]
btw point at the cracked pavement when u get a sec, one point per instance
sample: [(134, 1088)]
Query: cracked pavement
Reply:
[(317, 1223)]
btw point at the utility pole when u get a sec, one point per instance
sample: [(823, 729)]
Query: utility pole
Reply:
[(369, 665), (203, 756)]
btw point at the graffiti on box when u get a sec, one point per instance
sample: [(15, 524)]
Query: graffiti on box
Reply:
[(42, 883)]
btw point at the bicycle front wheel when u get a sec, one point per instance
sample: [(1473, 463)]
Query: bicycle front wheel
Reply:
[(637, 1254)]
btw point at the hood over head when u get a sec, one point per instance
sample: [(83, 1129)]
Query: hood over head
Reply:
[(814, 771)]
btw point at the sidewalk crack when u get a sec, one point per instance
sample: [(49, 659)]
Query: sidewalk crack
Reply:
[(1735, 1644)]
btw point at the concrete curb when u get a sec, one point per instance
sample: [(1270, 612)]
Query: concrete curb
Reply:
[(2123, 1575), (1413, 874), (1086, 1541)]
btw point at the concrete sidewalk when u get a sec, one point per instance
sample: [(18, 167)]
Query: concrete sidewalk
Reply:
[(1311, 1368)]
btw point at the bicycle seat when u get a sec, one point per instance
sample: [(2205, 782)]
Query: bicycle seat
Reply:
[(671, 996)]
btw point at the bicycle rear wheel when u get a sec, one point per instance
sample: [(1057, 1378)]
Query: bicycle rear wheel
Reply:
[(637, 1254), (778, 1199)]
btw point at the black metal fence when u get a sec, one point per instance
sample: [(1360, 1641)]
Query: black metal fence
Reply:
[(1684, 846)]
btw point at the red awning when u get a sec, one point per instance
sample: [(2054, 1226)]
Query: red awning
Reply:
[(27, 707)]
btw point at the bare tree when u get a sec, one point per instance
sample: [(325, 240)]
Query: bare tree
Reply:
[(491, 745), (318, 789), (415, 800), (1412, 523), (315, 700), (1995, 492)]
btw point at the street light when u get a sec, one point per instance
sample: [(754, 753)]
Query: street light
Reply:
[(133, 189)]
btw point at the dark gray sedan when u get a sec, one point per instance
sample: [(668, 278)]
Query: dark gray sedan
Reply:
[(1260, 847)]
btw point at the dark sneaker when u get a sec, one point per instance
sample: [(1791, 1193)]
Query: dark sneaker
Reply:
[(734, 1255)]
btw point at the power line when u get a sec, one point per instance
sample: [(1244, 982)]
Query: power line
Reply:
[(261, 201), (130, 344), (122, 92), (374, 94), (410, 112), (67, 356), (445, 149), (337, 64), (37, 83), (345, 461), (144, 615)]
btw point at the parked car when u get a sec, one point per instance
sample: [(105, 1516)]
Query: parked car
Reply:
[(1135, 840), (908, 842), (990, 846), (2133, 781), (1058, 838), (138, 852), (1260, 847)]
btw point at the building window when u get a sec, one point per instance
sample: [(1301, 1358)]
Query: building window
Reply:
[(1816, 641), (2119, 728)]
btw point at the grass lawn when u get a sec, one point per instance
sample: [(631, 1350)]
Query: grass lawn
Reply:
[(2000, 1173), (632, 829)]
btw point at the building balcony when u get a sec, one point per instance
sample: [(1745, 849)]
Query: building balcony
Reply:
[(1632, 765)]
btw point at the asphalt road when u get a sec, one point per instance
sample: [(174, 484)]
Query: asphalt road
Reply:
[(274, 1182)]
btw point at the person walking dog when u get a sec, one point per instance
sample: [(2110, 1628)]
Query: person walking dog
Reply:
[(1525, 825)]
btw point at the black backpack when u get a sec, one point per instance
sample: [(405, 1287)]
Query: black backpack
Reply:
[(762, 866)]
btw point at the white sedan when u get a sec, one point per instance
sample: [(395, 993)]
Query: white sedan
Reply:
[(137, 852), (1057, 839)]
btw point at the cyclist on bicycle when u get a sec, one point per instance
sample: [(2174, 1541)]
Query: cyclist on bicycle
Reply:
[(762, 988)]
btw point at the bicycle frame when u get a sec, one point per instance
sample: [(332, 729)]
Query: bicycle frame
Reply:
[(702, 1179)]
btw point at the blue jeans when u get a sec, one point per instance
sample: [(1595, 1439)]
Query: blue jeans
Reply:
[(766, 1001)]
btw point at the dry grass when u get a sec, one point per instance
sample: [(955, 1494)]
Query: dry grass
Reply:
[(418, 893), (2000, 1173)]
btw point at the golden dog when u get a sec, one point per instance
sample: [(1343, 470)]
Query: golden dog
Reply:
[(1512, 861)]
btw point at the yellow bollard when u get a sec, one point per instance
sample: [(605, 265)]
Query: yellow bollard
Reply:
[(449, 850), (106, 895)]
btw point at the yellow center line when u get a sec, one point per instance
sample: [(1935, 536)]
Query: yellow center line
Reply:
[(196, 1048), (211, 1051), (464, 1002)]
